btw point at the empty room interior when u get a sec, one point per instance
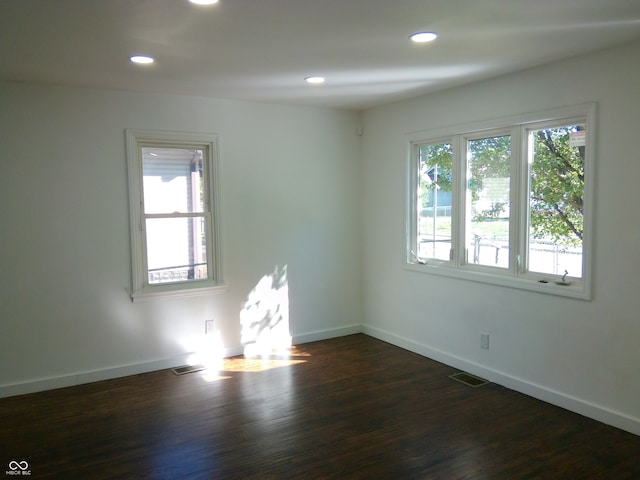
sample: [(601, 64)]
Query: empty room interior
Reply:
[(289, 194)]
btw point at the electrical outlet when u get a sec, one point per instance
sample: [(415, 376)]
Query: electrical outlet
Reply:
[(484, 341), (209, 326)]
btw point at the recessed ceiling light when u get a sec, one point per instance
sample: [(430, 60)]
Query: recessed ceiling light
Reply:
[(315, 80), (144, 59), (204, 2), (423, 37)]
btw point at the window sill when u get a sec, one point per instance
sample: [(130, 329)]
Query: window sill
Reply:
[(576, 289), (166, 292)]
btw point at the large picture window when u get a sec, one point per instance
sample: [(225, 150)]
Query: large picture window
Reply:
[(173, 214), (508, 202)]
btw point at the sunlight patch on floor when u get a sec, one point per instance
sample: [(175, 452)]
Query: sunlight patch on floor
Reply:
[(212, 376), (243, 364), (260, 364)]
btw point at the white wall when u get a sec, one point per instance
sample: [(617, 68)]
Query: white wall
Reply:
[(583, 355), (289, 195)]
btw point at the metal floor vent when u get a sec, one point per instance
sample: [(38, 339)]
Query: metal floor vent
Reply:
[(187, 369), (469, 379)]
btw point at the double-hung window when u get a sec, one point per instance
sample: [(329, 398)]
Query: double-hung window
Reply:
[(507, 202), (174, 217)]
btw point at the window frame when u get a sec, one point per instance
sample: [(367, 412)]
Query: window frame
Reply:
[(516, 275), (465, 206), (142, 290), (413, 180)]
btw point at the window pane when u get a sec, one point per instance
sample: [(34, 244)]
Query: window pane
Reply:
[(488, 196), (172, 180), (556, 200), (434, 201), (176, 249)]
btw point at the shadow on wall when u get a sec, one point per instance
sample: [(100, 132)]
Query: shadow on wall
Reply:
[(264, 318)]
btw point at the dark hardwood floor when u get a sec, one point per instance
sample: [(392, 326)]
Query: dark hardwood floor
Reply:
[(351, 407)]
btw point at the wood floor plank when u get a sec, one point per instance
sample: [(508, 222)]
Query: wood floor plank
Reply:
[(351, 407)]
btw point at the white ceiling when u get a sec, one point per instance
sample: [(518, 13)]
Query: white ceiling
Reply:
[(262, 49)]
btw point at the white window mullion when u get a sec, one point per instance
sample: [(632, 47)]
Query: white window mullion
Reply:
[(412, 207), (526, 148), (459, 171), (516, 200)]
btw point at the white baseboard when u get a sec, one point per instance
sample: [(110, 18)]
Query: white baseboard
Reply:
[(52, 383), (326, 334), (568, 402), (554, 397)]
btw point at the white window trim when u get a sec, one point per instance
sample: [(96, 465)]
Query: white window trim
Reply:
[(513, 277), (141, 291)]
